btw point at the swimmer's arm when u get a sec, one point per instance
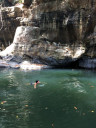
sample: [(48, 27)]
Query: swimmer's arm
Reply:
[(32, 83)]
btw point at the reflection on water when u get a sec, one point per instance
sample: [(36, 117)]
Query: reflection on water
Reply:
[(63, 99)]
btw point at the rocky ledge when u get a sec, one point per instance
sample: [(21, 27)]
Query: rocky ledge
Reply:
[(25, 65)]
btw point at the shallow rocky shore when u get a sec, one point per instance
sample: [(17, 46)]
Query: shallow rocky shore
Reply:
[(9, 62)]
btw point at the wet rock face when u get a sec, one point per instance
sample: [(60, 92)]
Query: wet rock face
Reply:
[(67, 19), (55, 31), (87, 62), (7, 3), (8, 24)]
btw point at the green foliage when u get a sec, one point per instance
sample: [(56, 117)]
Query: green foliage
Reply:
[(20, 1)]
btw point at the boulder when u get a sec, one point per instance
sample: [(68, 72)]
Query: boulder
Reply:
[(27, 41)]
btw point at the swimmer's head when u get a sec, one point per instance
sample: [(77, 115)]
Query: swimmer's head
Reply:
[(37, 81)]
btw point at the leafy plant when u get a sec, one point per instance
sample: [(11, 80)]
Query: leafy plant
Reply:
[(20, 1)]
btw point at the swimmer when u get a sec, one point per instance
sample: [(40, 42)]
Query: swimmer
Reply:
[(36, 82)]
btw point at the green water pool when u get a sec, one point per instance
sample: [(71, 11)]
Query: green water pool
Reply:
[(63, 99)]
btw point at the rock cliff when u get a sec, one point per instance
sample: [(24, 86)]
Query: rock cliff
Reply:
[(53, 32)]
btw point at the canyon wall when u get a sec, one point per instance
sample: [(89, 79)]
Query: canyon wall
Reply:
[(53, 32)]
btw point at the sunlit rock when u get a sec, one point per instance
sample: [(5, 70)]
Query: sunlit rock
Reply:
[(8, 51), (29, 66), (79, 51)]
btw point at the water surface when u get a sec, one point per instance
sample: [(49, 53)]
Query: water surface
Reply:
[(64, 99)]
